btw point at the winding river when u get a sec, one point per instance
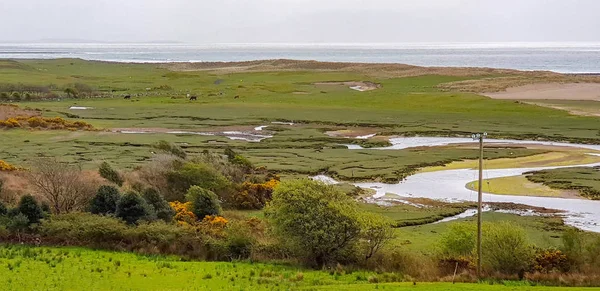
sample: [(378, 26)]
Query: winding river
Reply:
[(450, 185)]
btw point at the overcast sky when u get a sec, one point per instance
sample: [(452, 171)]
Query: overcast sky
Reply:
[(301, 21)]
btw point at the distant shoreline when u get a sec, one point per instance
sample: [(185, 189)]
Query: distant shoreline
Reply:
[(565, 58)]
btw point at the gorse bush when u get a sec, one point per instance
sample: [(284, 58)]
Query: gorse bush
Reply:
[(105, 201), (203, 202), (110, 174), (132, 208), (162, 209)]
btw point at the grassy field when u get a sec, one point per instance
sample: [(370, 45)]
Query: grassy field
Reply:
[(407, 103), (541, 231), (516, 185), (584, 180), (29, 268)]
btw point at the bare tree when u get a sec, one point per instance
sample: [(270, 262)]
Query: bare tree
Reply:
[(64, 186)]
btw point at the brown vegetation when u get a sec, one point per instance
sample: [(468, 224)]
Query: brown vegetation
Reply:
[(499, 84), (65, 187), (12, 111)]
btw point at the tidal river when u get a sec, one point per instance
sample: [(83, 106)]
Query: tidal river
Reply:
[(450, 185)]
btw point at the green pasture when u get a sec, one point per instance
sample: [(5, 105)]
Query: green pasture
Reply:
[(44, 268)]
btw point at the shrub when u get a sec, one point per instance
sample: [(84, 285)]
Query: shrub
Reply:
[(110, 174), (317, 220), (64, 186), (30, 208), (573, 246), (195, 174), (3, 209), (239, 241), (18, 224), (183, 215), (550, 260), (4, 166), (131, 208), (84, 228), (105, 201), (459, 240), (254, 195), (506, 248), (161, 207), (203, 202), (171, 148)]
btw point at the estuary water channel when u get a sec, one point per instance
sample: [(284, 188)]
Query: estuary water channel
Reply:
[(450, 185)]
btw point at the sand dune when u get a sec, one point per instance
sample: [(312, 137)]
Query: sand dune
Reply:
[(556, 91)]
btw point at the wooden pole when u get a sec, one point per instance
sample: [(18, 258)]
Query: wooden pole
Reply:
[(480, 198)]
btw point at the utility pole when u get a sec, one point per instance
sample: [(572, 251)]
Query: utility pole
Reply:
[(480, 137)]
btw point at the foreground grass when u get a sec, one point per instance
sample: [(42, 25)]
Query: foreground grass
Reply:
[(44, 268)]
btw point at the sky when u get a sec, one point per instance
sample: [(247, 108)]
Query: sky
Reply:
[(301, 21)]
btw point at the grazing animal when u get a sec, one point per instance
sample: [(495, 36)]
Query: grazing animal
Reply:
[(236, 97), (127, 97), (193, 98)]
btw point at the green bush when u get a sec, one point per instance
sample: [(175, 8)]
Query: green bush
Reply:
[(110, 174), (18, 224), (30, 208), (161, 207), (506, 248), (239, 241), (84, 228), (317, 220), (195, 174), (459, 241), (131, 208), (204, 202), (105, 201)]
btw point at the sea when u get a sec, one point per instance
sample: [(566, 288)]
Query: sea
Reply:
[(574, 57)]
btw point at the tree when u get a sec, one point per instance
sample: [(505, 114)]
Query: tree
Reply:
[(195, 174), (18, 224), (30, 207), (4, 96), (71, 92), (132, 207), (204, 202), (376, 233), (105, 201), (318, 220), (64, 186), (110, 174), (161, 207)]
